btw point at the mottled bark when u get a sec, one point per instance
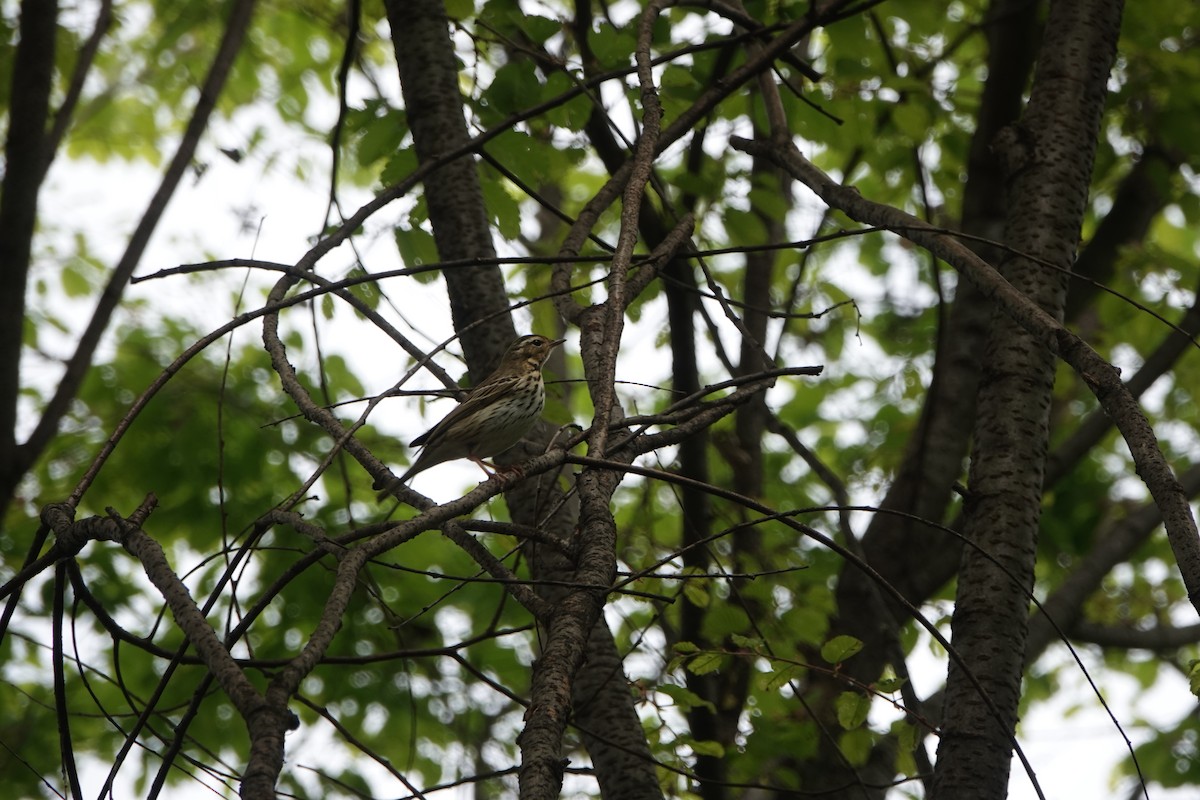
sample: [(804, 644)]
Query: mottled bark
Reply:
[(918, 559), (587, 667), (1048, 157), (24, 152), (433, 105)]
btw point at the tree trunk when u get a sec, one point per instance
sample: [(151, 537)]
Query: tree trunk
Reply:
[(32, 71), (602, 703), (1048, 156), (429, 78), (916, 558)]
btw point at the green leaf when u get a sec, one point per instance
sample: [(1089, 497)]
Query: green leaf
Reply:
[(907, 741), (888, 685), (745, 226), (613, 47), (574, 113), (539, 29), (748, 642), (856, 745), (679, 78), (725, 619), (74, 283), (705, 663), (504, 208), (784, 675), (685, 699), (367, 292), (514, 87), (839, 648), (399, 166), (852, 709), (417, 247), (459, 10), (695, 589), (707, 748), (381, 137)]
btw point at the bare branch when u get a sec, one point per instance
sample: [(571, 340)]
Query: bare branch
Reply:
[(1101, 377), (129, 534), (81, 359), (1155, 639)]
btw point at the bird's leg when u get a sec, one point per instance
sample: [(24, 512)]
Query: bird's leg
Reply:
[(488, 469), (493, 470)]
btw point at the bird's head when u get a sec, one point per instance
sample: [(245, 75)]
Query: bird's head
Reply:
[(532, 348)]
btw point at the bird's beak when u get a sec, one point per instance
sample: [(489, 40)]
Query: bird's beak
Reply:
[(555, 343)]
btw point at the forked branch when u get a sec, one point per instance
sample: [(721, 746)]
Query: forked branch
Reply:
[(1101, 377)]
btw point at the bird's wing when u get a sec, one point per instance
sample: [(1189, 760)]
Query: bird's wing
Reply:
[(480, 396)]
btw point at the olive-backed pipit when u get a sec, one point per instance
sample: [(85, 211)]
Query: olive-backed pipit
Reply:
[(495, 414)]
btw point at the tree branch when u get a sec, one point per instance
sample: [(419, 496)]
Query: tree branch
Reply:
[(429, 79), (83, 66), (1156, 639), (1100, 376), (129, 534), (29, 104), (1114, 544), (81, 359)]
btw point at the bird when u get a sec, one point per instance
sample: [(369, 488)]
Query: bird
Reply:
[(495, 415)]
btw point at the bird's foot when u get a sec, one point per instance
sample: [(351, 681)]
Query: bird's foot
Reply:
[(492, 470)]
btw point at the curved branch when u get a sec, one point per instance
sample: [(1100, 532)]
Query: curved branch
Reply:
[(1095, 425), (129, 534), (1115, 543), (81, 359), (1101, 377), (83, 65), (1157, 639)]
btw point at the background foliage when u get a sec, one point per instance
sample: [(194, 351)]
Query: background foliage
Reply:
[(737, 650)]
